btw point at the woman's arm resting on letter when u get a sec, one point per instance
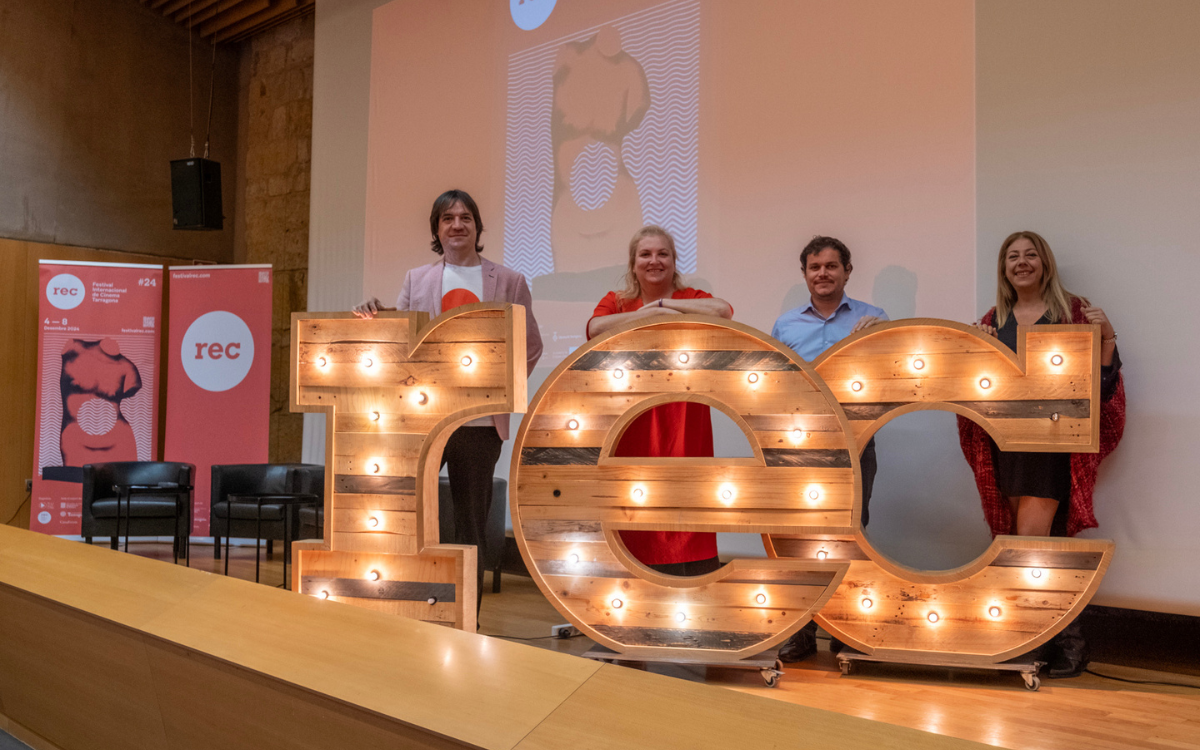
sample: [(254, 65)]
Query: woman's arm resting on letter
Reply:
[(600, 324), (702, 306)]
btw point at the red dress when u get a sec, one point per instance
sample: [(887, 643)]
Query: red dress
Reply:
[(676, 430)]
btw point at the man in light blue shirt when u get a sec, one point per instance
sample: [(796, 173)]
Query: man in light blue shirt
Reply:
[(828, 317)]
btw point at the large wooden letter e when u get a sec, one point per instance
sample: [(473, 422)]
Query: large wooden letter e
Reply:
[(393, 390)]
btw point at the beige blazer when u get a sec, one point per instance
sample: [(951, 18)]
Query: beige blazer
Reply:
[(422, 291)]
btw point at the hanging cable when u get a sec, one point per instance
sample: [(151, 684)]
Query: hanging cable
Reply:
[(212, 81), (191, 80)]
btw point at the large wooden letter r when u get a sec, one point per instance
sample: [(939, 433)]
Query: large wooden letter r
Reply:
[(393, 389)]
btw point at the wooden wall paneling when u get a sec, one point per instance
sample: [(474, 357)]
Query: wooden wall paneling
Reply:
[(18, 377), (393, 389), (570, 495)]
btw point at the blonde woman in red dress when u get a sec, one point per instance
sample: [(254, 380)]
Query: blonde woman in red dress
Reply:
[(654, 288)]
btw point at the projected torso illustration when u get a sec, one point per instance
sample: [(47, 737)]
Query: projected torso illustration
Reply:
[(603, 136), (95, 378), (600, 96)]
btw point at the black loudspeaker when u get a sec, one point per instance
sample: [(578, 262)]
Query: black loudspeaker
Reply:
[(196, 194)]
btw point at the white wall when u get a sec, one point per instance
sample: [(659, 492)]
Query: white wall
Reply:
[(1089, 134), (341, 93)]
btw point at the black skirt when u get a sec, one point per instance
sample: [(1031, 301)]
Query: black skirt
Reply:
[(1031, 474), (1044, 474)]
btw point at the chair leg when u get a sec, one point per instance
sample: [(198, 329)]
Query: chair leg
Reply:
[(87, 539), (270, 548), (258, 541), (112, 542), (496, 579), (216, 548)]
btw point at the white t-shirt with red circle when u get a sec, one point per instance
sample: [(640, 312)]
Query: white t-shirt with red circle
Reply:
[(462, 285)]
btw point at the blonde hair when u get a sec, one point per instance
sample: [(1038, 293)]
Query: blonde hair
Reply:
[(633, 288), (1054, 294)]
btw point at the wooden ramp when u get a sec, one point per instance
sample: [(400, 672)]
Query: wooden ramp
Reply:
[(100, 649)]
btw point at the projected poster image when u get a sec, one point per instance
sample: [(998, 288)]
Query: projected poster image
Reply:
[(575, 128), (602, 137)]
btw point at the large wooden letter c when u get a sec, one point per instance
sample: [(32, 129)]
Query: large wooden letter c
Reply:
[(1022, 590), (801, 489)]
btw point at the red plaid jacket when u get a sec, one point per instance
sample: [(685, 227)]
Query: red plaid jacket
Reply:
[(977, 447)]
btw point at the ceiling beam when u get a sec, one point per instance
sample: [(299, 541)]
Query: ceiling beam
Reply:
[(229, 20)]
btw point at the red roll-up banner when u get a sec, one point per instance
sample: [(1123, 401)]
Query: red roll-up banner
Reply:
[(218, 372), (97, 381)]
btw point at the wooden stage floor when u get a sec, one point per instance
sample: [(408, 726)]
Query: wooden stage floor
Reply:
[(993, 708)]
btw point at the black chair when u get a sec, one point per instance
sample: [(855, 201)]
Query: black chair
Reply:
[(138, 498), (260, 479), (311, 478), (493, 557)]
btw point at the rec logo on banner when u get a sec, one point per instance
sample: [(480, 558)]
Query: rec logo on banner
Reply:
[(218, 372), (65, 291), (218, 351)]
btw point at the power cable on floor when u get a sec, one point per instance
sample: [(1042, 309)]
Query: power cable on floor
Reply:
[(535, 638), (1142, 682)]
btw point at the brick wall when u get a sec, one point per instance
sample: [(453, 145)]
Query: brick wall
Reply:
[(275, 138)]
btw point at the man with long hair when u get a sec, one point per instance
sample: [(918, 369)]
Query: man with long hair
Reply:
[(461, 276)]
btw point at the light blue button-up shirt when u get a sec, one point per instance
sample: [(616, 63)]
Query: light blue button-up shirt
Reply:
[(809, 335)]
